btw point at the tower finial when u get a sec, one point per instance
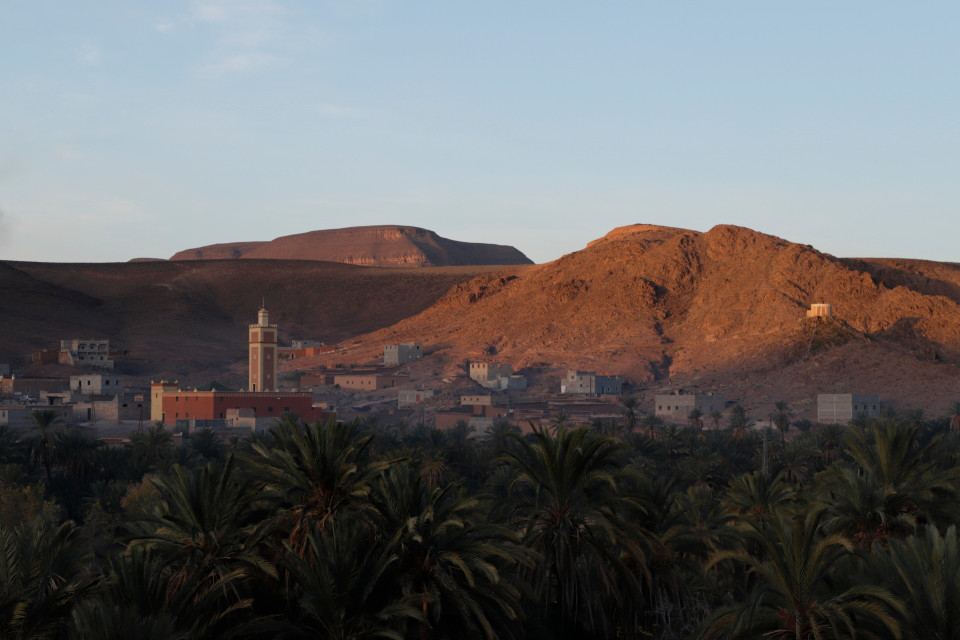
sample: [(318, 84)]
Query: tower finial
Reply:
[(263, 302)]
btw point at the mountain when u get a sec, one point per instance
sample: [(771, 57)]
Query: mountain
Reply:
[(723, 309), (189, 319), (375, 246)]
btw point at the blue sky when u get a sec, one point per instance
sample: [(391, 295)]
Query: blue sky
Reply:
[(141, 128)]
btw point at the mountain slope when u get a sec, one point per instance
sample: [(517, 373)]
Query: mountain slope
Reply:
[(657, 303), (378, 246), (187, 319)]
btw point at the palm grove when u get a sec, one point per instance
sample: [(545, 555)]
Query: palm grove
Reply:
[(624, 529)]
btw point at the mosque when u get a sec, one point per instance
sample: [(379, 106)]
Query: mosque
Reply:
[(260, 402)]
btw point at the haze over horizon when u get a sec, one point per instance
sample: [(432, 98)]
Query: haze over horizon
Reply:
[(140, 131)]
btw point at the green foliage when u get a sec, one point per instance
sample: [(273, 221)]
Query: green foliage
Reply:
[(372, 530)]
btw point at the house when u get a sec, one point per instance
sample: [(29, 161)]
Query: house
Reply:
[(589, 383), (413, 397), (840, 408), (86, 353), (397, 354), (96, 384), (496, 375), (676, 407), (369, 382)]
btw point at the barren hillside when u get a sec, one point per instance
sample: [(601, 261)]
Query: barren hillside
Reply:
[(189, 318), (726, 308)]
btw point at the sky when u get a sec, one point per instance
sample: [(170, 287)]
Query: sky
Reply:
[(138, 129)]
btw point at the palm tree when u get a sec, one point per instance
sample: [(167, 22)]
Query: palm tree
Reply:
[(587, 554), (135, 600), (756, 496), (716, 416), (796, 593), (210, 526), (313, 473), (738, 421), (955, 416), (652, 423), (781, 418), (696, 418), (450, 558), (43, 574), (923, 571), (45, 424), (344, 585), (151, 448), (856, 505), (630, 409)]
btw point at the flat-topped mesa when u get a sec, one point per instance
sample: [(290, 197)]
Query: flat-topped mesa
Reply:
[(372, 246)]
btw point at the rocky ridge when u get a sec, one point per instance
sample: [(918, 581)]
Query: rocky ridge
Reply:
[(372, 246)]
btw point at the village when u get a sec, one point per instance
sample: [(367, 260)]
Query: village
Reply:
[(390, 390)]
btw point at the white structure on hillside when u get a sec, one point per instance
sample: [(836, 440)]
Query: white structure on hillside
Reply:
[(676, 407), (497, 376), (397, 354), (820, 310), (589, 383), (840, 408)]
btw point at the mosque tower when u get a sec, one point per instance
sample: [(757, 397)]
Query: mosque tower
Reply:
[(263, 353)]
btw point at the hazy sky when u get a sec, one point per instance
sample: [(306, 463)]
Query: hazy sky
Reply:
[(141, 128)]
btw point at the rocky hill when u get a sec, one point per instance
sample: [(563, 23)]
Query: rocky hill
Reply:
[(188, 319), (375, 246), (723, 309)]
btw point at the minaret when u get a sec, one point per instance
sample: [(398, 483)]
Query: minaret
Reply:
[(263, 353)]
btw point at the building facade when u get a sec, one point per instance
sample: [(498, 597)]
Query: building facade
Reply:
[(589, 383), (840, 408), (214, 405), (263, 354), (676, 407), (97, 384), (397, 354), (86, 353), (369, 382), (413, 397)]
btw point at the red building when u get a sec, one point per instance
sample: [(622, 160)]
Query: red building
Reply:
[(213, 405)]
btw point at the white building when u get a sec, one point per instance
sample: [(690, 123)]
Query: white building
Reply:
[(840, 408), (676, 407), (397, 354)]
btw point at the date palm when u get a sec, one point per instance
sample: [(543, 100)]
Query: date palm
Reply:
[(588, 559), (738, 421), (210, 525), (43, 574), (696, 418), (344, 586), (923, 571), (781, 418), (756, 497), (630, 410), (45, 424), (135, 600), (451, 560), (313, 473), (796, 593), (955, 416), (716, 416)]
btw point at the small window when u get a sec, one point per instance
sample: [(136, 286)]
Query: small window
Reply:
[(269, 409)]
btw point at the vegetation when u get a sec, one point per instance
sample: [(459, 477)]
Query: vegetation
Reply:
[(356, 531)]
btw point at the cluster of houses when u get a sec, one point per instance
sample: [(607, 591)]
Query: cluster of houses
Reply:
[(499, 393)]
